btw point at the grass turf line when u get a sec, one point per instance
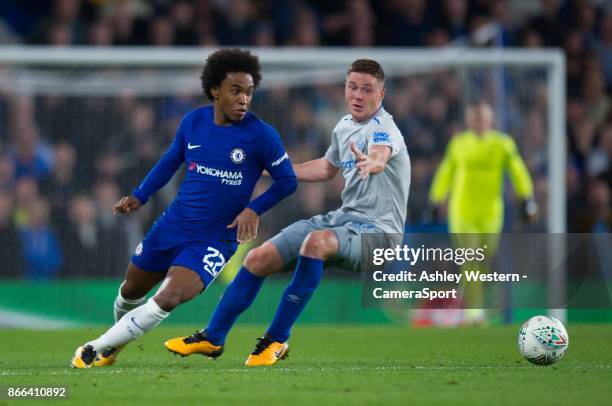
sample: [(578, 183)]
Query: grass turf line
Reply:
[(327, 365)]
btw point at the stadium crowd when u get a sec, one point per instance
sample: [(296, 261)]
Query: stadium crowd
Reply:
[(65, 160)]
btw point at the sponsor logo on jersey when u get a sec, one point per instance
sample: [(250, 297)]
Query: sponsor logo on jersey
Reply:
[(138, 251), (279, 160), (348, 164), (380, 136), (237, 155), (232, 178)]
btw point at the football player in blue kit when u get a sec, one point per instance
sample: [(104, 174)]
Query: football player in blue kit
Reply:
[(225, 150)]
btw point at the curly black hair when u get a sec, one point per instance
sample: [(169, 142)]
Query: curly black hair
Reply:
[(224, 61)]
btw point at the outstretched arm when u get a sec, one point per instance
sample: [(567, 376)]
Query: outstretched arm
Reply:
[(317, 170), (157, 177), (372, 163), (163, 170)]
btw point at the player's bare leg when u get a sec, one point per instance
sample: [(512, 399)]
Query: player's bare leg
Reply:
[(179, 286), (259, 263), (317, 247)]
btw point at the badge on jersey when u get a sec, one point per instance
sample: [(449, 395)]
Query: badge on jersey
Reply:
[(138, 250), (237, 155)]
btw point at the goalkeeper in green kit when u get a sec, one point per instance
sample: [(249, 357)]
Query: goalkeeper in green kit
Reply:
[(471, 175)]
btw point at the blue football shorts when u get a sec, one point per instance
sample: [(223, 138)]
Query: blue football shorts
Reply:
[(168, 245)]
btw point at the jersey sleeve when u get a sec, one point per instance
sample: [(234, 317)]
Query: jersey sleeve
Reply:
[(442, 181), (519, 175), (164, 169), (273, 156), (276, 161), (387, 134), (333, 151)]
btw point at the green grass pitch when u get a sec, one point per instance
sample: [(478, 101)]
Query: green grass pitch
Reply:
[(327, 365)]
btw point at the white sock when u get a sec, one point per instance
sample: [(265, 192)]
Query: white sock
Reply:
[(132, 326), (123, 305)]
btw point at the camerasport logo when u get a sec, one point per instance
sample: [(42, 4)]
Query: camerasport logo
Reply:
[(232, 178)]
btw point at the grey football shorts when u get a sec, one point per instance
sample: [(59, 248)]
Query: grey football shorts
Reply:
[(347, 227)]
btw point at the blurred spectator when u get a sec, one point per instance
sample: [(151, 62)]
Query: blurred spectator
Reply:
[(31, 156), (597, 102), (7, 172), (11, 263), (182, 14), (453, 18), (113, 248), (306, 32), (129, 21), (100, 33), (597, 218), (507, 34), (26, 194), (575, 51), (532, 39), (419, 200), (237, 23), (204, 23), (162, 32), (62, 184), (80, 237), (92, 249), (548, 23), (62, 27), (584, 20), (599, 158), (409, 25), (604, 47), (438, 37), (42, 252), (264, 36), (582, 141), (361, 24)]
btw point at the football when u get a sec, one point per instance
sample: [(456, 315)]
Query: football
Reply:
[(543, 340)]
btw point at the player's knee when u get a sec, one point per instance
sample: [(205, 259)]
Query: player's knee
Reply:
[(132, 291), (254, 261), (259, 261), (168, 299), (319, 244)]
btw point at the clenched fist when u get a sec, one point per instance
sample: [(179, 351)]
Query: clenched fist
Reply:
[(126, 204)]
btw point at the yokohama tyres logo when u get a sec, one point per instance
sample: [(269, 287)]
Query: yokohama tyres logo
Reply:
[(233, 178)]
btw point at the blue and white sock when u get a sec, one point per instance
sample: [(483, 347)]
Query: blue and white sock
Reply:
[(305, 280), (238, 297)]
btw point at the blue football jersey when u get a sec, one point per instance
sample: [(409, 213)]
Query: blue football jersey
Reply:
[(223, 164)]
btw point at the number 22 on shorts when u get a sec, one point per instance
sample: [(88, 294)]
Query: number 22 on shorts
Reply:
[(213, 261)]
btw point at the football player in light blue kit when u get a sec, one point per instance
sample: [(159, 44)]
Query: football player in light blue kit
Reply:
[(369, 150), (225, 150)]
